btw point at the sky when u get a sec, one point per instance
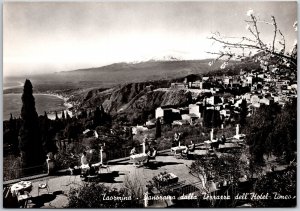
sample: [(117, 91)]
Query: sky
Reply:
[(40, 37)]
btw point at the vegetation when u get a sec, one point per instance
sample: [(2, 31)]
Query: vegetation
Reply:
[(273, 131), (282, 187), (30, 144), (229, 168), (95, 195)]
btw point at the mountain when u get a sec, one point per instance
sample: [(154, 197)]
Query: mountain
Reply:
[(120, 73)]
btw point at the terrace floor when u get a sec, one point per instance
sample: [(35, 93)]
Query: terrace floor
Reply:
[(165, 162), (61, 185)]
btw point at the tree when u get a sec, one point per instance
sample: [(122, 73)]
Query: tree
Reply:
[(47, 134), (63, 115), (284, 133), (158, 129), (56, 116), (95, 195), (243, 112), (258, 130), (278, 184), (227, 167), (97, 117), (254, 48), (30, 143), (68, 116)]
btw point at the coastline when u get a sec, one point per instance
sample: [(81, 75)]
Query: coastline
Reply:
[(21, 84), (67, 104), (51, 114)]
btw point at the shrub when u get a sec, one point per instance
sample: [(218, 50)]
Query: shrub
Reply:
[(95, 195)]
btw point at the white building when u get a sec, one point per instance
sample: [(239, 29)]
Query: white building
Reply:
[(225, 113), (195, 109)]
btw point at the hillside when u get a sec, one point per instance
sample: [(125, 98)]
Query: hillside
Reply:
[(120, 73), (141, 96)]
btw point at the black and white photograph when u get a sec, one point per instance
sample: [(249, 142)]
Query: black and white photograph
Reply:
[(157, 104)]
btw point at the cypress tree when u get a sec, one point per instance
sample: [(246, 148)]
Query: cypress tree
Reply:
[(45, 115), (158, 128), (56, 116), (13, 134), (30, 144), (63, 115), (243, 112), (97, 117), (67, 116)]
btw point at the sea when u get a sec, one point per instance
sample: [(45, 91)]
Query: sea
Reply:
[(12, 103)]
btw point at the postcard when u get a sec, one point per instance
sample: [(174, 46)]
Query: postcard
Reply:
[(149, 104)]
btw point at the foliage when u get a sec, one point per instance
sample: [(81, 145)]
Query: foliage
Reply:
[(284, 134), (211, 118), (243, 112), (158, 129), (134, 186), (94, 195), (272, 131), (229, 167), (282, 183), (30, 144), (11, 167)]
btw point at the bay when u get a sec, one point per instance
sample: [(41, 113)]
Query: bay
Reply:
[(12, 103)]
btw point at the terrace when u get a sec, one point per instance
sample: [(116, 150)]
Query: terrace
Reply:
[(61, 185), (123, 171)]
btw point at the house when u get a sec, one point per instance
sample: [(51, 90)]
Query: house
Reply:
[(255, 100), (249, 80), (213, 100), (196, 85), (196, 109), (238, 103), (167, 115), (189, 118), (179, 86), (162, 112), (247, 97), (227, 80), (225, 113), (294, 86), (267, 100)]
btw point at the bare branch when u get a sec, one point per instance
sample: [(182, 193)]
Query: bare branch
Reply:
[(275, 32), (283, 39), (254, 47)]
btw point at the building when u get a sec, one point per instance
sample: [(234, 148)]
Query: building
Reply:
[(167, 115), (247, 97), (179, 86), (255, 100), (213, 100), (191, 118), (196, 85), (249, 80), (225, 113), (266, 100), (196, 109)]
